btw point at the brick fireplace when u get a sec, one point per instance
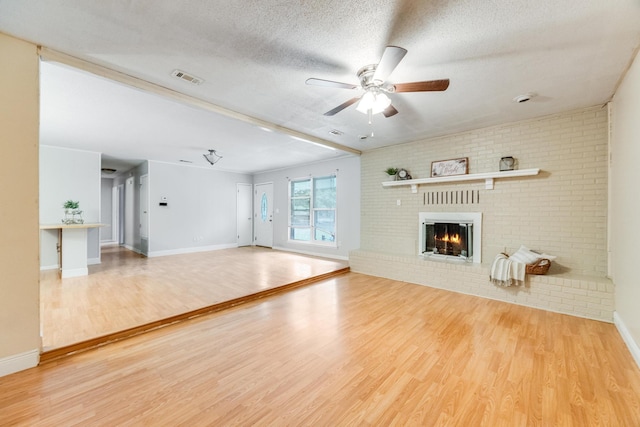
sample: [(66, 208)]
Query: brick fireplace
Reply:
[(450, 235)]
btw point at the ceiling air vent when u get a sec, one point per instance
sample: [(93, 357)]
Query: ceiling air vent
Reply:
[(187, 77)]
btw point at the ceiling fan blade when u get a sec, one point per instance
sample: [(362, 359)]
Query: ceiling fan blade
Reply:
[(390, 59), (390, 111), (329, 83), (342, 106), (431, 85)]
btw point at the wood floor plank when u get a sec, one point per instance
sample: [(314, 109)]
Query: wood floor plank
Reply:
[(351, 350), (128, 291)]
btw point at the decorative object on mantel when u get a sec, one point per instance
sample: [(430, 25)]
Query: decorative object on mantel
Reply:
[(507, 269), (508, 163), (450, 167), (72, 212), (403, 174), (392, 172)]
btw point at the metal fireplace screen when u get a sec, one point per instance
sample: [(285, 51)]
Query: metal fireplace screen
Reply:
[(451, 239)]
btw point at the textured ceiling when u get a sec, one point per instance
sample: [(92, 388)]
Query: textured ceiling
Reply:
[(255, 56)]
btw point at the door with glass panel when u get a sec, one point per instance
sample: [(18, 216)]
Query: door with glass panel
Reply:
[(263, 215)]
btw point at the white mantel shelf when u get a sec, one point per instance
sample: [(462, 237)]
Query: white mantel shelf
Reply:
[(487, 177)]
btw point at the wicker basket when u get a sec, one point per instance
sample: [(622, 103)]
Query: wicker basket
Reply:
[(539, 267)]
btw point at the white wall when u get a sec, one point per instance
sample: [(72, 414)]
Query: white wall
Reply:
[(625, 204), (106, 214), (201, 210), (348, 193), (68, 174)]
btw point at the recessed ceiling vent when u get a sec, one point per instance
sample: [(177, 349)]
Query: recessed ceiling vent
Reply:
[(187, 77), (108, 171)]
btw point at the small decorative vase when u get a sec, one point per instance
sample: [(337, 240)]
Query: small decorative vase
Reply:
[(68, 216), (77, 216)]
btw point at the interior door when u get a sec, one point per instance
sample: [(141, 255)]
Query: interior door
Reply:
[(129, 237), (245, 214), (144, 207), (263, 215)]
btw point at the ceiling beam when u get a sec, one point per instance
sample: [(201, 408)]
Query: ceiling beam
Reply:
[(51, 55)]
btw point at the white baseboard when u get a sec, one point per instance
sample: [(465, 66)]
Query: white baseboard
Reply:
[(192, 250), (626, 336), (74, 272), (93, 261), (131, 248), (49, 267), (340, 257), (19, 362), (108, 243)]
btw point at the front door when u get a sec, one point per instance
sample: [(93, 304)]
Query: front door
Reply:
[(263, 215)]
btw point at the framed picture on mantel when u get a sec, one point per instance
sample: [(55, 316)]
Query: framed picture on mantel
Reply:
[(450, 167)]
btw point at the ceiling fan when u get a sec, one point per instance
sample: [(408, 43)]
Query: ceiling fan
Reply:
[(373, 79)]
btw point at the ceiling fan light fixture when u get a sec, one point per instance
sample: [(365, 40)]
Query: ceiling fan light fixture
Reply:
[(376, 102), (212, 157)]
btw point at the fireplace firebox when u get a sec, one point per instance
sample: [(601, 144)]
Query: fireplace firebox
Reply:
[(452, 239), (451, 235)]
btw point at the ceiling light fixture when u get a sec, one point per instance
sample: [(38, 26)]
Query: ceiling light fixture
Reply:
[(373, 100), (212, 157)]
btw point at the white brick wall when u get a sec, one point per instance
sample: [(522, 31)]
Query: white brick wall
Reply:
[(562, 211)]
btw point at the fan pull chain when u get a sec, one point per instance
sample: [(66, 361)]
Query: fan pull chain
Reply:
[(370, 114)]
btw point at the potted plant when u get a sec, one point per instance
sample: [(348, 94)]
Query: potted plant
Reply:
[(72, 212), (392, 173)]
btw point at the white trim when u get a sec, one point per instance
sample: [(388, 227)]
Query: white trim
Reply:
[(108, 243), (19, 362), (94, 261), (49, 267), (131, 248), (323, 255), (192, 250), (476, 217), (627, 338), (74, 272)]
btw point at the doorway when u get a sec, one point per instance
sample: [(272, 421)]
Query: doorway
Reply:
[(244, 214), (263, 215)]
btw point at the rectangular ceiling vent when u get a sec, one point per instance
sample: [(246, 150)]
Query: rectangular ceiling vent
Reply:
[(187, 77)]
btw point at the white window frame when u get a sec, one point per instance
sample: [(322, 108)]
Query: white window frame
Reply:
[(312, 210)]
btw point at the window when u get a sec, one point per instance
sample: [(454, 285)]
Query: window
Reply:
[(312, 210)]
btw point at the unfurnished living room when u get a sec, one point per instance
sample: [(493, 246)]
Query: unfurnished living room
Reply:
[(320, 213)]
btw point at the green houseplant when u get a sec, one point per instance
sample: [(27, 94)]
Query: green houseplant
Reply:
[(391, 172), (70, 204), (72, 212)]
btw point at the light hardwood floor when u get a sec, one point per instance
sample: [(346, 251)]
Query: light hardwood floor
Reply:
[(128, 290), (349, 351)]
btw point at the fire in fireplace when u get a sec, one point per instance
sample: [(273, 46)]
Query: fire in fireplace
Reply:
[(454, 235), (453, 239)]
